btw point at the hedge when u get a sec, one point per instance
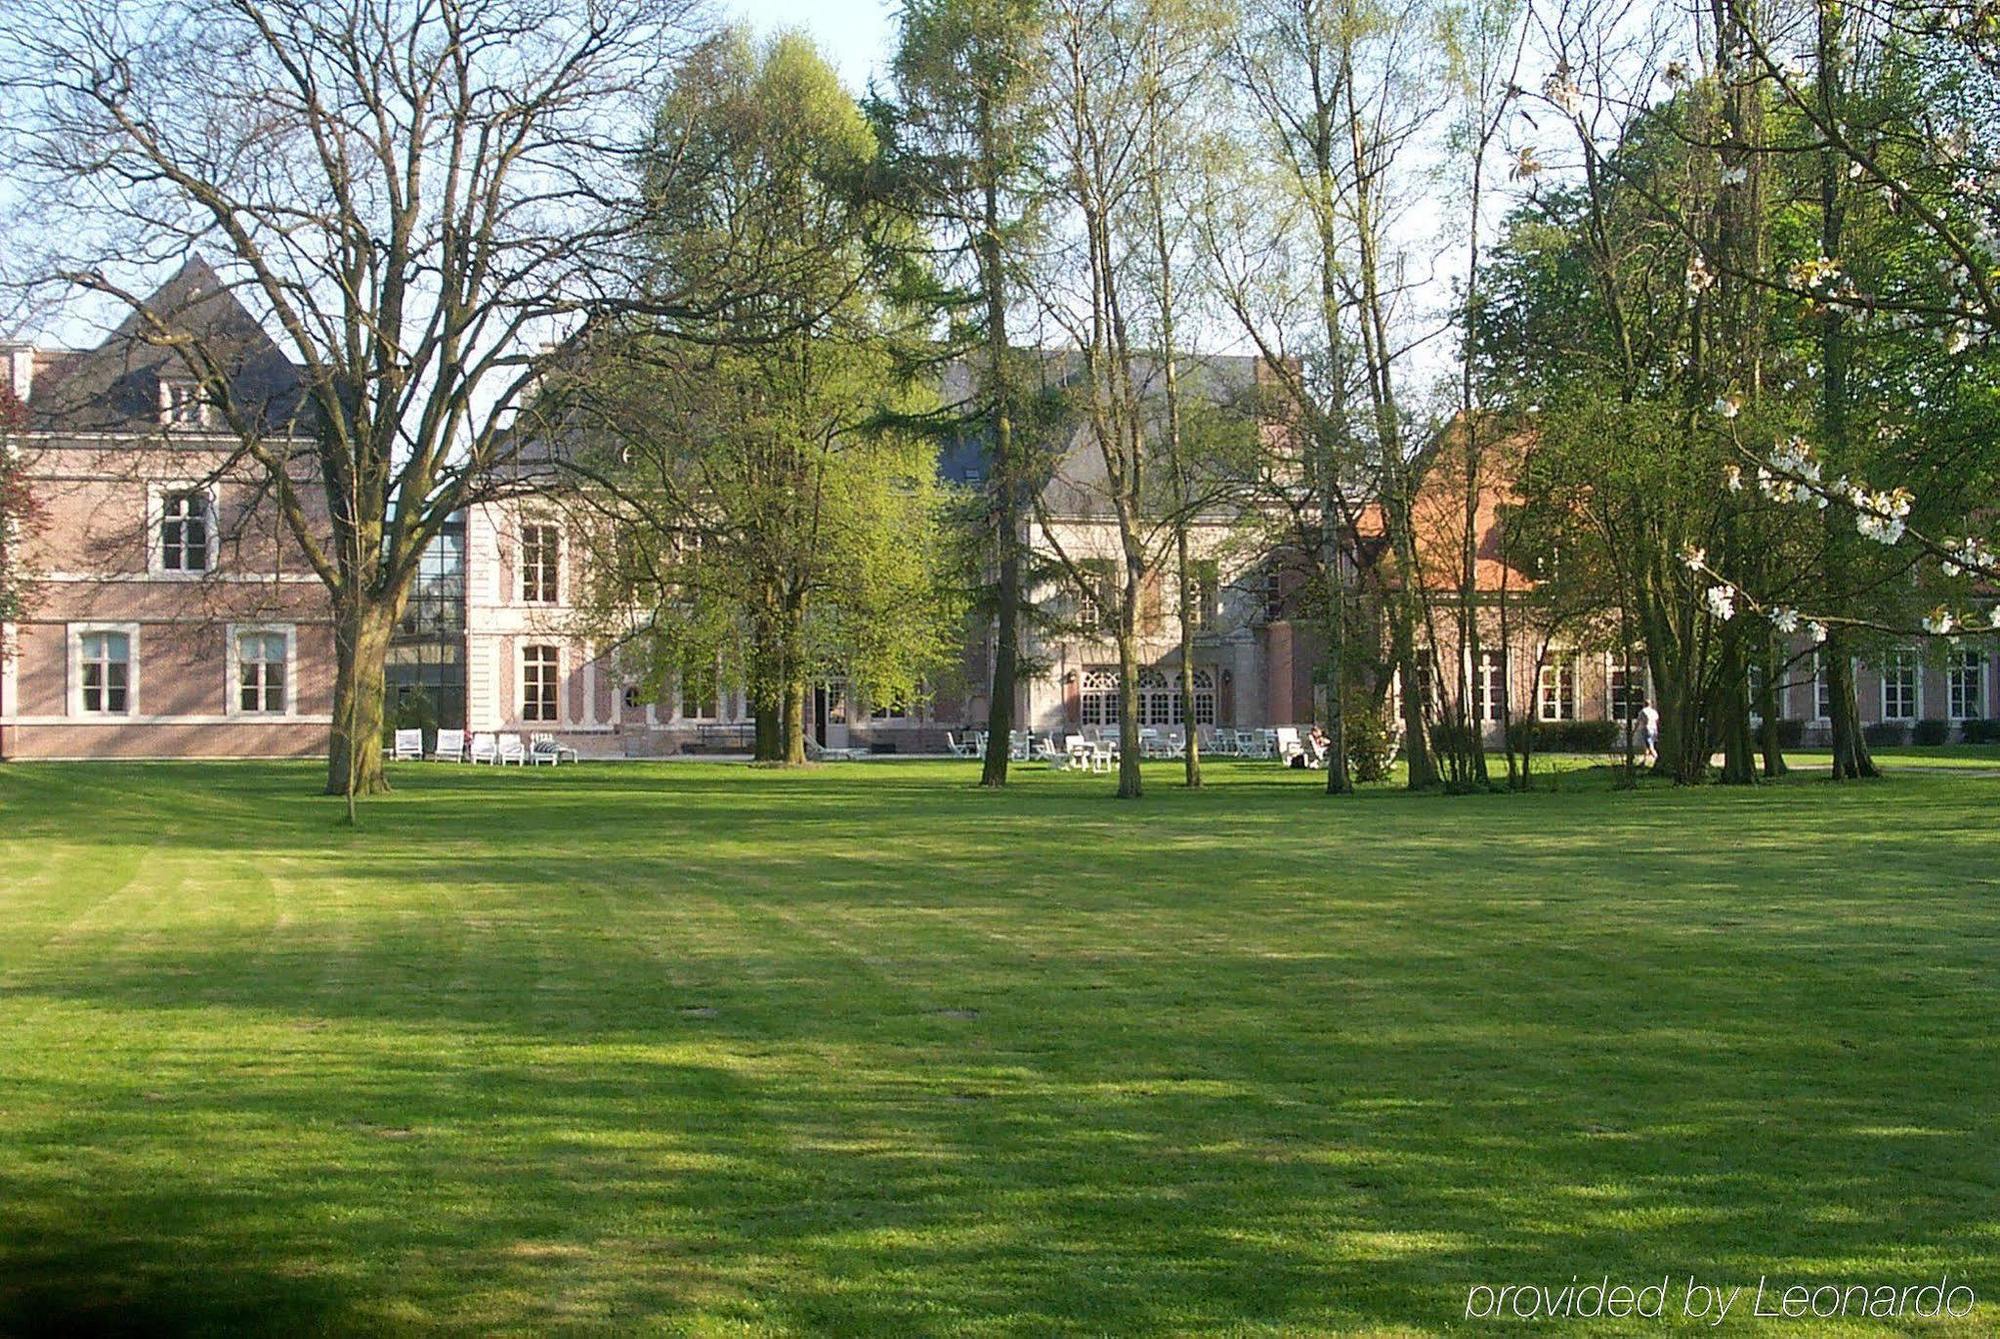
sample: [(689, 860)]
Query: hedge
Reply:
[(1931, 732), (1566, 736)]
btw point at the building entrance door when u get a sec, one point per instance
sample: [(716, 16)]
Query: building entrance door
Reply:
[(829, 714)]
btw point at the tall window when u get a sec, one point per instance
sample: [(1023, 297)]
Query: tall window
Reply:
[(1966, 679), (1822, 688), (260, 672), (1159, 700), (1555, 690), (1899, 685), (1273, 593), (1205, 580), (1099, 697), (541, 556), (182, 405), (1490, 682), (106, 666), (184, 531), (1628, 693), (1204, 697), (539, 683), (698, 692), (1100, 592)]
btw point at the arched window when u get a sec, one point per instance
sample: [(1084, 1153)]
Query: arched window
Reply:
[(1099, 698), (1159, 704), (1204, 697), (1160, 698)]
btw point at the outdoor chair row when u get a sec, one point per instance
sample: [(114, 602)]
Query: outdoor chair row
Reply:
[(1282, 743), (481, 747)]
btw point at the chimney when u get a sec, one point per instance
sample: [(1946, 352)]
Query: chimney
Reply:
[(20, 359)]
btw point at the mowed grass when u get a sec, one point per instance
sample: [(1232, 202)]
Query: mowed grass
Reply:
[(697, 1048)]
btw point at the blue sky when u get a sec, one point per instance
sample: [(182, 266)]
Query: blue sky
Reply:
[(855, 34)]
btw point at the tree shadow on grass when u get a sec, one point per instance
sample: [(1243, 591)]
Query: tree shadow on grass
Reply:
[(60, 1280)]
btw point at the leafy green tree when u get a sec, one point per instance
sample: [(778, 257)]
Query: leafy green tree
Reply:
[(761, 507), (969, 78)]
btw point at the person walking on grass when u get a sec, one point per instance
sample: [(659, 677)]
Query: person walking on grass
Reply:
[(1649, 721)]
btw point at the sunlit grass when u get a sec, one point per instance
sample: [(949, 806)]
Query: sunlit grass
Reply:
[(864, 1050)]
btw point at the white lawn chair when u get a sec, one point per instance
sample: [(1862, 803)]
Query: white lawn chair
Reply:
[(409, 746), (1287, 744), (483, 749), (1020, 745), (961, 748), (979, 743), (509, 749), (1076, 753), (1101, 756), (1176, 740), (544, 748), (1046, 751), (450, 746)]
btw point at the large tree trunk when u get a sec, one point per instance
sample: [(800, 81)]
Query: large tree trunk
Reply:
[(1416, 747), (793, 746), (766, 690), (1006, 658), (1339, 781), (1129, 787), (1189, 730), (1006, 487), (362, 628), (1851, 759), (1739, 751), (1768, 743)]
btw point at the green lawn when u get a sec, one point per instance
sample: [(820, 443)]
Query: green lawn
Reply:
[(704, 1049)]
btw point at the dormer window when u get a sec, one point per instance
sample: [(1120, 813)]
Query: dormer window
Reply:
[(182, 405)]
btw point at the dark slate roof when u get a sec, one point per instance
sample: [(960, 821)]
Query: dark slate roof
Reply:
[(115, 387)]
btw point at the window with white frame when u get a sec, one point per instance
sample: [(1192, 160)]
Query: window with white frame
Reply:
[(187, 530), (1555, 690), (1965, 678), (1204, 697), (263, 671), (1899, 685), (1490, 682), (1098, 699), (897, 708), (182, 405), (1822, 688), (541, 673), (1625, 691), (1159, 700), (104, 673), (1205, 582), (541, 561), (1099, 597)]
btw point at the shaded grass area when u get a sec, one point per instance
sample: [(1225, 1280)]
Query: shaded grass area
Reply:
[(702, 1049)]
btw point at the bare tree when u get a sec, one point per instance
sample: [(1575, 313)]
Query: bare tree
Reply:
[(413, 195)]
